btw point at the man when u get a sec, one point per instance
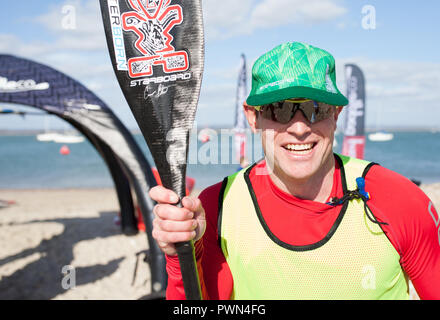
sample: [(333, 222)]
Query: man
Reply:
[(303, 223)]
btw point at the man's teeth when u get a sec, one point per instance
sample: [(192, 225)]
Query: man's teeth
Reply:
[(299, 147)]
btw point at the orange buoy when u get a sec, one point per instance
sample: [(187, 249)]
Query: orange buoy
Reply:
[(205, 138), (64, 150)]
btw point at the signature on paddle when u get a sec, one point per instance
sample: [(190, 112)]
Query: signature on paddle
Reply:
[(155, 91)]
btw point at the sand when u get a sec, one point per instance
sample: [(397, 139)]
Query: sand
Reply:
[(48, 232)]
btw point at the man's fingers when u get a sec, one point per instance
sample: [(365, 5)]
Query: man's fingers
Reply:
[(192, 204), (163, 195), (175, 226), (173, 223), (172, 237), (171, 212)]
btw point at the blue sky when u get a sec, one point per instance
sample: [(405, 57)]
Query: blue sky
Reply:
[(400, 57)]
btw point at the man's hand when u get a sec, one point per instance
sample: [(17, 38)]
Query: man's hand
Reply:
[(173, 224)]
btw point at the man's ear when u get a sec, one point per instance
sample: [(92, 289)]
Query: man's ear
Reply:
[(251, 116), (337, 112)]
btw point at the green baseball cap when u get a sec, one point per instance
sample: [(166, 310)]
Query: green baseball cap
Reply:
[(295, 70)]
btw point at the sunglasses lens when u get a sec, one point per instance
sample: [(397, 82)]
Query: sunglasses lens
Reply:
[(267, 112), (284, 111), (322, 111), (308, 109)]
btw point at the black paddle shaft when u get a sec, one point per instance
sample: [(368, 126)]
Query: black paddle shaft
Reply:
[(157, 52)]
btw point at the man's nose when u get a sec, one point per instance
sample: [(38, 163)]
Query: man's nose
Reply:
[(299, 125)]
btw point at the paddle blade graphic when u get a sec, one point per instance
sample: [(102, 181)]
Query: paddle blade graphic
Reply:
[(157, 52)]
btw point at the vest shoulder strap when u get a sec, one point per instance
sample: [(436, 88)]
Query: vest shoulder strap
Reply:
[(226, 185), (352, 168)]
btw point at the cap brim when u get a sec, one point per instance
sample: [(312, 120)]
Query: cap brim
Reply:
[(336, 99)]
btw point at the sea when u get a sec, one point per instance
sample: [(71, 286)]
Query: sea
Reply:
[(26, 163)]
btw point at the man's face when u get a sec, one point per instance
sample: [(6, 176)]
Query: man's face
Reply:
[(296, 151)]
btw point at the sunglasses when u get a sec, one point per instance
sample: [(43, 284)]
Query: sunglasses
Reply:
[(284, 111)]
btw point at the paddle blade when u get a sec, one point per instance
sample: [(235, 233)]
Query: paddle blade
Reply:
[(157, 52)]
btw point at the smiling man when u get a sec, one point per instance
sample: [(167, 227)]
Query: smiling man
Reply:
[(304, 222)]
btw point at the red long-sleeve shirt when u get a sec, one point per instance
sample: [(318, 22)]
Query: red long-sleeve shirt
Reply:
[(412, 228)]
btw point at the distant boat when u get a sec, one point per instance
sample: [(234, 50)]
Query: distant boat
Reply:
[(68, 138), (47, 136), (380, 136), (60, 137)]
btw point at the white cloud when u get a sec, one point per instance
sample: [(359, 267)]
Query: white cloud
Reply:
[(341, 25), (87, 33), (224, 18), (274, 13), (76, 25), (80, 52), (11, 44), (396, 89), (399, 79), (228, 18)]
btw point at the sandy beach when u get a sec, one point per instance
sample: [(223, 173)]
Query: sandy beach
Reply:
[(47, 232)]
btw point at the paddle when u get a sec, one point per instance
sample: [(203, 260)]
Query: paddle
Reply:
[(157, 52)]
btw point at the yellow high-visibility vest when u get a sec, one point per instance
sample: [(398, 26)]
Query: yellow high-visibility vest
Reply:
[(355, 260)]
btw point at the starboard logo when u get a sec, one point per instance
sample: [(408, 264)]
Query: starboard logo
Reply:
[(152, 21), (21, 85)]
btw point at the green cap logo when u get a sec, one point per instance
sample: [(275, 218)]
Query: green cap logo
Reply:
[(295, 70)]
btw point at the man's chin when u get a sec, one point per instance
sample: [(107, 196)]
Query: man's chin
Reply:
[(296, 172)]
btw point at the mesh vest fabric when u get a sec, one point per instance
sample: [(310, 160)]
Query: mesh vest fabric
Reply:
[(354, 261)]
